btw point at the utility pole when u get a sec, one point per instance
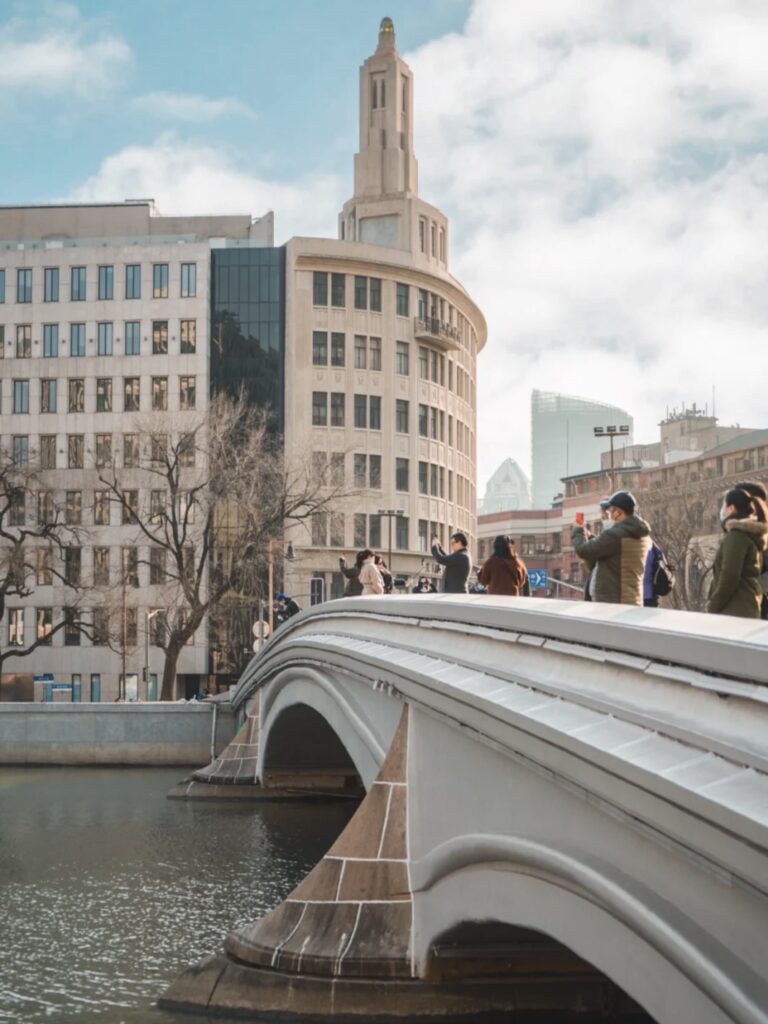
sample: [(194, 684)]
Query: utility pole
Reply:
[(124, 636), (612, 433), (390, 514)]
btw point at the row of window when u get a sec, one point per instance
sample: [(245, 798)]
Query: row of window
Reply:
[(105, 339), (131, 392), (366, 291), (329, 530), (105, 283), (127, 509), (103, 451), (101, 627)]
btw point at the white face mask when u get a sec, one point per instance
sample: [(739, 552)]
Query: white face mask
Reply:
[(723, 514), (608, 524)]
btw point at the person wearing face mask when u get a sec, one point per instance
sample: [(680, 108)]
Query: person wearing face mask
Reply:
[(738, 564), (607, 524), (618, 554)]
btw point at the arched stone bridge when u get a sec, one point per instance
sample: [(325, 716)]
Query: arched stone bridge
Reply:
[(566, 814)]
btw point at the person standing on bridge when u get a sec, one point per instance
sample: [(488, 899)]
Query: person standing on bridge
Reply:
[(758, 491), (370, 577), (618, 555), (738, 564), (503, 573), (353, 586), (458, 565)]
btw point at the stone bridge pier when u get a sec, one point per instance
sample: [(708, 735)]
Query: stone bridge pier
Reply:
[(565, 819)]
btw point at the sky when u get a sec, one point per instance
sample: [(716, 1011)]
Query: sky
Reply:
[(603, 163)]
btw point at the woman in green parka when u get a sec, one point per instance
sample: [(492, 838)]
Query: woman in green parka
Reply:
[(739, 560)]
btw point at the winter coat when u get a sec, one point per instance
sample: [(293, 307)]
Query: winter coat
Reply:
[(503, 575), (618, 556), (371, 580), (458, 566), (353, 586), (735, 587)]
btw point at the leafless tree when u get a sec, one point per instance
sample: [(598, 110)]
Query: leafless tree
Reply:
[(220, 491)]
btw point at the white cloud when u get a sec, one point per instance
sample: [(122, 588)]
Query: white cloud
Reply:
[(60, 52), (176, 106), (185, 178), (605, 165)]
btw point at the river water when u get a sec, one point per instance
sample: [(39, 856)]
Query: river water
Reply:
[(108, 889)]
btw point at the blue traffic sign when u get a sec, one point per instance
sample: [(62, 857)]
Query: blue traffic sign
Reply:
[(539, 579)]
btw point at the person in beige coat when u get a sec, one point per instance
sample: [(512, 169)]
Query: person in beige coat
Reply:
[(370, 577)]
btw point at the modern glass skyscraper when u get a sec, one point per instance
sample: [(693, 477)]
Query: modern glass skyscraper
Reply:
[(563, 441)]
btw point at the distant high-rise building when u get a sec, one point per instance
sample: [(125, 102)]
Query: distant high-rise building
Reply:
[(507, 490), (563, 441)]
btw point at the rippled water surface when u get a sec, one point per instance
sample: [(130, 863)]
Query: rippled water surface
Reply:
[(108, 889)]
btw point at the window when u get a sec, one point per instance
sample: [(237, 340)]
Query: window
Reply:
[(423, 421), (337, 530), (44, 626), (319, 529), (158, 449), (528, 545), (159, 280), (401, 533), (105, 337), (337, 350), (101, 567), (15, 627), (423, 535), (23, 286), (422, 235), (423, 304), (72, 566), (319, 348), (133, 281), (157, 629), (187, 392), (188, 280), (401, 416), (159, 337), (375, 292), (157, 506), (77, 339), (51, 284), (130, 451), (23, 341), (337, 469), (434, 373), (423, 363), (319, 409), (159, 394), (130, 506), (106, 282), (374, 412), (133, 338), (2, 286), (21, 396), (47, 395), (21, 450), (71, 627), (76, 394), (77, 284), (18, 508), (374, 531), (100, 627), (156, 566), (2, 340), (433, 423), (319, 288), (360, 526), (50, 340), (433, 234), (361, 352), (361, 293), (48, 451), (361, 411), (187, 450), (73, 508), (103, 456), (44, 567), (375, 351), (131, 394), (188, 343), (101, 508), (401, 299), (374, 472), (402, 474), (360, 470), (131, 638), (103, 394), (338, 289), (338, 399), (75, 451), (402, 358), (423, 478), (442, 245), (131, 566), (433, 489)]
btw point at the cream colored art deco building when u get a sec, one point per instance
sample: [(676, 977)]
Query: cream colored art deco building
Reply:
[(381, 347)]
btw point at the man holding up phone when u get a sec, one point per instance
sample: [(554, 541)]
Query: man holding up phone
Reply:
[(618, 554), (458, 565)]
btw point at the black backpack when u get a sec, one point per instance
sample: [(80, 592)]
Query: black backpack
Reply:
[(663, 576)]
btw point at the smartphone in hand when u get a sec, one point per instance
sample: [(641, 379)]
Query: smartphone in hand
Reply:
[(579, 518)]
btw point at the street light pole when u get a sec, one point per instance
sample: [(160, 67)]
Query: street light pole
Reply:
[(149, 616), (390, 513), (611, 432)]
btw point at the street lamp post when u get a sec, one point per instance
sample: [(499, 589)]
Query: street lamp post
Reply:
[(149, 616), (289, 557), (612, 432), (391, 513)]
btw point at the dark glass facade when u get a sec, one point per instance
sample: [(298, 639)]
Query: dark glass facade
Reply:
[(248, 325)]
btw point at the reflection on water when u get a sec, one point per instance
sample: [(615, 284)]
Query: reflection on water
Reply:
[(108, 890)]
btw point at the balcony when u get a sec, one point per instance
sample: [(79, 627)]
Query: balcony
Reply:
[(440, 334)]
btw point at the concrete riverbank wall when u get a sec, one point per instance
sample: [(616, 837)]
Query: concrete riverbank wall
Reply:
[(102, 734)]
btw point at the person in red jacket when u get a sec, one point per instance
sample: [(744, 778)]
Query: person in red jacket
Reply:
[(503, 573)]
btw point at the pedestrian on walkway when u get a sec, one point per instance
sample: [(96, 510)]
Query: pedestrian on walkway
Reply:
[(424, 586), (353, 586), (740, 557), (458, 564), (618, 554), (370, 577), (386, 575), (758, 491), (503, 573), (658, 579)]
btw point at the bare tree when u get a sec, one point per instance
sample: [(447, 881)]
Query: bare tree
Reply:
[(220, 491)]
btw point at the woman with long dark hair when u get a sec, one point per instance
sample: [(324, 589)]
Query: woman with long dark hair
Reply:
[(738, 564), (503, 573)]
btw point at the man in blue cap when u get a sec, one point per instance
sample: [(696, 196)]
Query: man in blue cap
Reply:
[(618, 555)]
